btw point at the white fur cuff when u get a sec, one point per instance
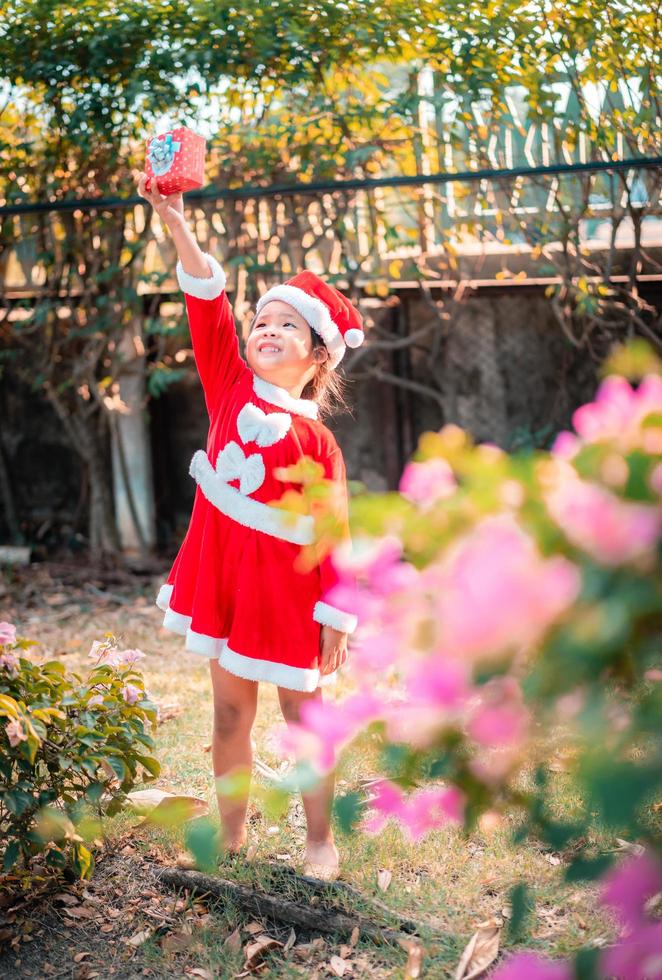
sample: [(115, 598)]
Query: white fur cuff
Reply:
[(328, 615), (202, 288)]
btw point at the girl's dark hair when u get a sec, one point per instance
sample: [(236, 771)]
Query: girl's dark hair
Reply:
[(327, 387)]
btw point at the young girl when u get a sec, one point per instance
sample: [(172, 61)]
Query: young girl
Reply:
[(234, 590)]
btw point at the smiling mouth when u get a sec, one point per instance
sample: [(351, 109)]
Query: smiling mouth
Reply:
[(269, 348)]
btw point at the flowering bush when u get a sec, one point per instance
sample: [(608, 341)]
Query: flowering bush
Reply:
[(69, 748), (511, 606)]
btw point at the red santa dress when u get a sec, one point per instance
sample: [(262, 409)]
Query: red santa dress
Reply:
[(234, 591)]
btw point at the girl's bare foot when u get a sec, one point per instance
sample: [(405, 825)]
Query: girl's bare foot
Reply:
[(322, 860), (235, 843)]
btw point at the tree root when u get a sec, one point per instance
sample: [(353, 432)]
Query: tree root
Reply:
[(260, 904)]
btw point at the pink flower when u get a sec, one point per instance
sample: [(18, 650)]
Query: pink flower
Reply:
[(425, 810), (498, 724), (566, 445), (9, 661), (427, 482), (7, 633), (495, 592), (131, 693), (326, 726), (610, 530), (94, 700), (121, 658), (626, 889), (636, 957), (438, 680), (629, 885), (529, 966), (15, 733)]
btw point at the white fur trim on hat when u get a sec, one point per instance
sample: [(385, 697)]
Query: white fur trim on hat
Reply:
[(315, 313), (202, 288)]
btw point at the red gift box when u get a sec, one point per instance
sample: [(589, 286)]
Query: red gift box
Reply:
[(176, 160)]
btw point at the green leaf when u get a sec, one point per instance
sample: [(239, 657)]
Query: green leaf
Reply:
[(587, 868), (10, 857), (349, 811), (202, 840), (522, 906)]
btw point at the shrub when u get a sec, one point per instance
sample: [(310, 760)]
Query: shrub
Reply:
[(70, 749)]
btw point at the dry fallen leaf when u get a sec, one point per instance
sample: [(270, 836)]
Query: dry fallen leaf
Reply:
[(176, 942), (628, 847), (163, 807), (80, 956), (291, 939), (339, 966), (185, 861), (138, 938), (354, 938), (481, 950), (254, 928), (251, 851), (552, 859), (198, 971), (384, 879), (233, 941), (255, 951)]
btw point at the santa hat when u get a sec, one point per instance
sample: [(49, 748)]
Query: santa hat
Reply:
[(325, 310)]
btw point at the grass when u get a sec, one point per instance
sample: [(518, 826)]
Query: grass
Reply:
[(447, 882)]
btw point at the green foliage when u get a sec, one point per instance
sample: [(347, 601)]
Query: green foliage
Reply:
[(71, 747)]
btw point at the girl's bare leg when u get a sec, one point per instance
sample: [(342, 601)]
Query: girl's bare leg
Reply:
[(321, 852), (235, 704)]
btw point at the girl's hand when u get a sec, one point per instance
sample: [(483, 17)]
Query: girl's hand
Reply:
[(333, 649), (170, 209)]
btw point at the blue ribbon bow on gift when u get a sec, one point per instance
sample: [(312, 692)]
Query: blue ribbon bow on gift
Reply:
[(161, 153)]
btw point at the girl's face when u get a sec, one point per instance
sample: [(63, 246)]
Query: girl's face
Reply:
[(279, 347)]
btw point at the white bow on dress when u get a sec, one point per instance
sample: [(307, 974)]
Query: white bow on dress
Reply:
[(264, 428), (233, 464)]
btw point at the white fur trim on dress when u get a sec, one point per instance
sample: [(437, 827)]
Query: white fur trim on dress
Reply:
[(264, 428), (284, 675), (202, 288), (276, 521), (328, 615), (216, 648), (271, 393)]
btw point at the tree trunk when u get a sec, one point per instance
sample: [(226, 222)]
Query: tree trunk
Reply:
[(104, 539)]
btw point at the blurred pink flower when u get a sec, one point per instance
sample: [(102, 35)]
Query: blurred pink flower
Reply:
[(566, 445), (427, 482), (15, 733), (494, 724), (636, 957), (9, 661), (628, 886), (326, 726), (615, 415), (626, 889), (7, 633), (529, 966), (495, 592), (131, 693), (419, 813), (94, 700), (611, 530), (438, 680)]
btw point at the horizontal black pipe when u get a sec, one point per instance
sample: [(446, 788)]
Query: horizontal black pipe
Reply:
[(445, 177)]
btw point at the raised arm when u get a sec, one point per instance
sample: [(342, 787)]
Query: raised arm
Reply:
[(201, 278)]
